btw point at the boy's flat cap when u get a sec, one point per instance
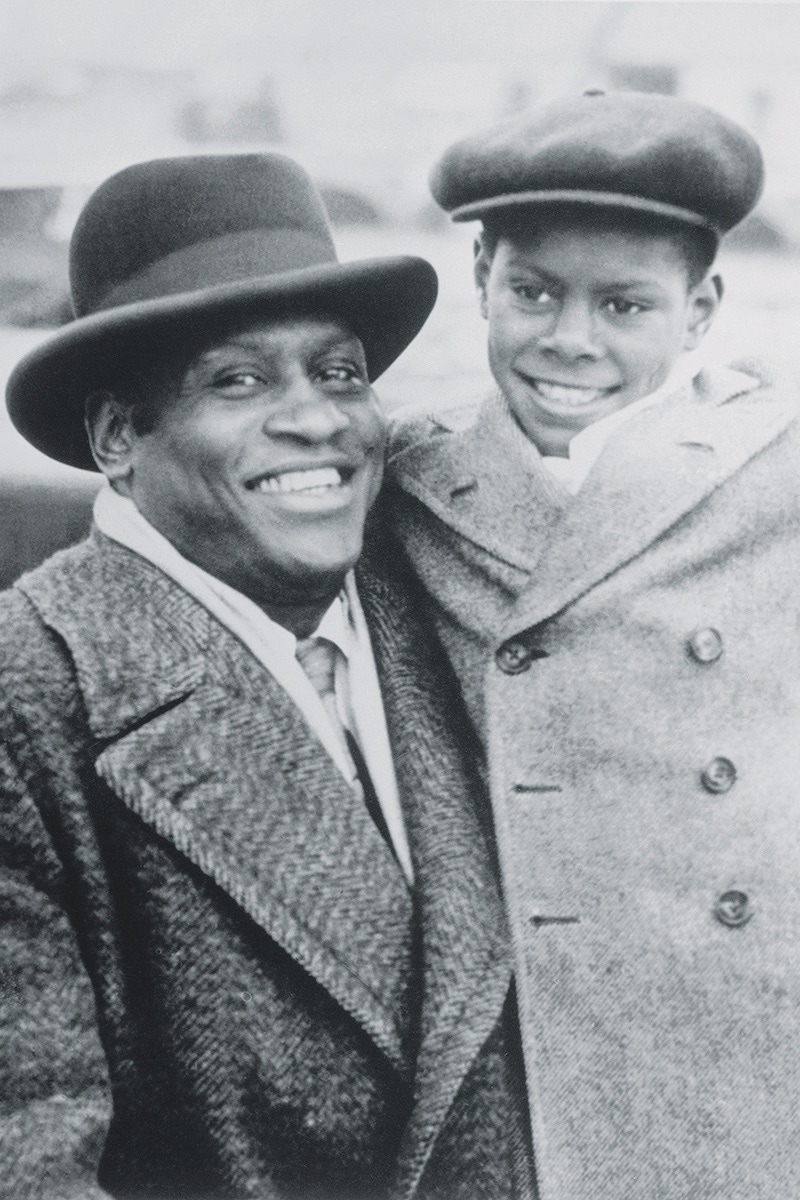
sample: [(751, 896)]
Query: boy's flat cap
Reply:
[(624, 150)]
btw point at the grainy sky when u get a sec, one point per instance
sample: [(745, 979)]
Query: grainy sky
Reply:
[(363, 76)]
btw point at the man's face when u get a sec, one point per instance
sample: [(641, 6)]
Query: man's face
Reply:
[(584, 321), (265, 458)]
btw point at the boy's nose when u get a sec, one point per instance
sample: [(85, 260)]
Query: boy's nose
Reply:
[(572, 334)]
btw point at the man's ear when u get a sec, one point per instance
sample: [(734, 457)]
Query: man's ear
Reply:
[(111, 435), (482, 266), (704, 301)]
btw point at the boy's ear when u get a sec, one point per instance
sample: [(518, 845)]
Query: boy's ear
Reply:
[(111, 435), (704, 301), (481, 267)]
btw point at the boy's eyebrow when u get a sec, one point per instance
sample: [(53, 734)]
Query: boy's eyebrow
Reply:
[(631, 284), (605, 285)]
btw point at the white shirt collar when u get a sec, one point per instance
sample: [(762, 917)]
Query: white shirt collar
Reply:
[(586, 446), (118, 518), (274, 646)]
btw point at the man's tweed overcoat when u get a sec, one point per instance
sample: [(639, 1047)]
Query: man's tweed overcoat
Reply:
[(206, 941), (638, 651)]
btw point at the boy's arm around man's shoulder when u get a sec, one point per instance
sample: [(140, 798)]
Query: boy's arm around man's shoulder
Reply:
[(54, 1102), (417, 424)]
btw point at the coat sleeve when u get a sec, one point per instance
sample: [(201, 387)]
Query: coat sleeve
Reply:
[(54, 1096)]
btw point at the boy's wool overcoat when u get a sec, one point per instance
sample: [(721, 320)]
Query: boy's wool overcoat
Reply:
[(633, 654), (215, 978)]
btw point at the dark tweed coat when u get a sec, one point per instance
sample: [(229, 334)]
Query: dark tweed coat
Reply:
[(215, 978)]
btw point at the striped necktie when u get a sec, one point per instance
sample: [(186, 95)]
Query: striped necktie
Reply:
[(318, 657)]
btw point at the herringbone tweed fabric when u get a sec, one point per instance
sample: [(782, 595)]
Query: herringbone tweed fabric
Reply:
[(215, 980)]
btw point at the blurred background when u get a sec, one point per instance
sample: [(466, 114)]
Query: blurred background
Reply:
[(366, 93)]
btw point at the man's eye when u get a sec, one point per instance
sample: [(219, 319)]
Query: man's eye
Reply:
[(342, 373), (238, 380)]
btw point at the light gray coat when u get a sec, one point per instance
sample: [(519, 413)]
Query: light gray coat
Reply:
[(646, 788)]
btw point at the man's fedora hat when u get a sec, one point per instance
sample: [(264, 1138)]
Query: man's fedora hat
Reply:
[(624, 150), (163, 248)]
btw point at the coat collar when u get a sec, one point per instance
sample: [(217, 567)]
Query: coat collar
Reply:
[(467, 962), (251, 798), (479, 483), (704, 433)]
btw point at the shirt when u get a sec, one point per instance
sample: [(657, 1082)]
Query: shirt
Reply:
[(586, 446), (358, 691)]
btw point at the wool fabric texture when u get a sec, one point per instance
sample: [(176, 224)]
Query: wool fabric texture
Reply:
[(217, 983), (623, 150), (637, 659)]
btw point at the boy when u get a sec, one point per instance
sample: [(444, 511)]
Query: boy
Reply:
[(610, 545)]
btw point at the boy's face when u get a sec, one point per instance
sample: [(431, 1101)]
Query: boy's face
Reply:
[(583, 321)]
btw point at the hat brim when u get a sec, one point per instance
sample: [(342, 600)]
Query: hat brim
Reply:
[(385, 301), (496, 205)]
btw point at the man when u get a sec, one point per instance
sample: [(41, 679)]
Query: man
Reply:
[(253, 944), (610, 545)]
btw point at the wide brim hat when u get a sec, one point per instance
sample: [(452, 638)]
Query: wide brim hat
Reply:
[(166, 249), (625, 151)]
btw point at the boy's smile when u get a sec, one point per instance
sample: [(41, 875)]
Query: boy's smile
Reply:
[(584, 321)]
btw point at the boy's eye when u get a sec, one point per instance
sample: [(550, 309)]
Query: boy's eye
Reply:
[(621, 307), (534, 293)]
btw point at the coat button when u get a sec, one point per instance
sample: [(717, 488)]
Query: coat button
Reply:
[(705, 645), (733, 909), (513, 658), (719, 775)]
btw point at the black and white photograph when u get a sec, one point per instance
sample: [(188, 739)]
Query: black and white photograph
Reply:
[(400, 600)]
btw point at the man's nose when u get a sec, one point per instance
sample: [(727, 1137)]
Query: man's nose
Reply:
[(572, 334), (306, 413)]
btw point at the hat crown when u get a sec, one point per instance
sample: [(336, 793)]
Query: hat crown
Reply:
[(629, 150), (178, 225)]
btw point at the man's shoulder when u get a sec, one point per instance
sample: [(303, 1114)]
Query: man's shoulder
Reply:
[(62, 580), (36, 669), (63, 571), (94, 594)]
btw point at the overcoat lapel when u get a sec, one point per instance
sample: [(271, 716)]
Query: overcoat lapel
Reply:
[(467, 968), (201, 743), (631, 497), (482, 482)]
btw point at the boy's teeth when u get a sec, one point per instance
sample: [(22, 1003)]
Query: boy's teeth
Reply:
[(559, 393), (300, 481)]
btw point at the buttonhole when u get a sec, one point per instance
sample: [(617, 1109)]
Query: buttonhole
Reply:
[(697, 446), (462, 489), (537, 921), (535, 788)]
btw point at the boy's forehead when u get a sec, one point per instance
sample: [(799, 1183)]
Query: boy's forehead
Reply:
[(614, 236)]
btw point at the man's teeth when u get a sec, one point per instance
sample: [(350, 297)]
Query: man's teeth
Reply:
[(301, 481), (559, 393)]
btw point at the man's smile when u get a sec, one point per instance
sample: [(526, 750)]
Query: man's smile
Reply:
[(307, 479), (314, 490)]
